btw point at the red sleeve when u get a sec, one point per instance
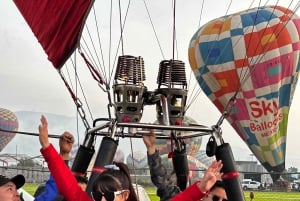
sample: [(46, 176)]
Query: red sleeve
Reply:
[(192, 193), (64, 179)]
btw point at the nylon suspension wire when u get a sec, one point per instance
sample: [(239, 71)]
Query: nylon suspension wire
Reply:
[(245, 75), (266, 48), (198, 91), (120, 40), (154, 30)]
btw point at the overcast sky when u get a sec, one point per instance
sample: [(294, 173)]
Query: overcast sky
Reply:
[(29, 82)]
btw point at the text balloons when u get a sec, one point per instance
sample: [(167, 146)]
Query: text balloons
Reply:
[(252, 57), (8, 122)]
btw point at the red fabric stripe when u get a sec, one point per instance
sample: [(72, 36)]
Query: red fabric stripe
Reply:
[(57, 24), (98, 170), (230, 175)]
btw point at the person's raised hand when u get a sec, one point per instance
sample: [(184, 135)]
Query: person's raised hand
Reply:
[(211, 175), (66, 141), (43, 132), (149, 141)]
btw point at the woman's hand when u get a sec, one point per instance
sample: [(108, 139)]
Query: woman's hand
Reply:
[(211, 175), (43, 130)]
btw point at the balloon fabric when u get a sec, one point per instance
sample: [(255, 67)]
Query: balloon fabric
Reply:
[(8, 122), (251, 57)]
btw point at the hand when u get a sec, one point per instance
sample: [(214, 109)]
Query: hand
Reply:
[(66, 141), (43, 130), (149, 141), (211, 175)]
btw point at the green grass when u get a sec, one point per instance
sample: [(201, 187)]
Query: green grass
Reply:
[(258, 195), (272, 196), (30, 188)]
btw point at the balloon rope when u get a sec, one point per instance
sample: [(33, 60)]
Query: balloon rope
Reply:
[(134, 170), (174, 28), (266, 47), (153, 28), (76, 101)]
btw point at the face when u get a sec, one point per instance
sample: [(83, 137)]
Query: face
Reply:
[(116, 196), (8, 192), (218, 194)]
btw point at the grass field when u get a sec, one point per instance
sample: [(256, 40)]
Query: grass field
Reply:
[(258, 195)]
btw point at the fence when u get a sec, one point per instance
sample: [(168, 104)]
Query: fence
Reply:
[(287, 189)]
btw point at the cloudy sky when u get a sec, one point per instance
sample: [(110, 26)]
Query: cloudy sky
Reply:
[(29, 82)]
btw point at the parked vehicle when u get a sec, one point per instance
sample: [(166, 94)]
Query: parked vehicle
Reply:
[(295, 186), (250, 184)]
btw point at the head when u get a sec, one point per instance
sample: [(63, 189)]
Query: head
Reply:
[(217, 192), (114, 184), (9, 187)]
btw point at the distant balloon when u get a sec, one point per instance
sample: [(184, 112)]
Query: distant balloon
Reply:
[(9, 122), (196, 167), (139, 160), (192, 144), (253, 56), (119, 156)]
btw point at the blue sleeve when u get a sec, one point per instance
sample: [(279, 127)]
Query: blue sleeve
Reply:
[(50, 192)]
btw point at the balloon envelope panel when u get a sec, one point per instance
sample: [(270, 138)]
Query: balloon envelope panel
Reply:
[(253, 57), (8, 122)]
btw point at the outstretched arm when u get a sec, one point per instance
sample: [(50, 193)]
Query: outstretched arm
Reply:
[(201, 188), (159, 176), (64, 179)]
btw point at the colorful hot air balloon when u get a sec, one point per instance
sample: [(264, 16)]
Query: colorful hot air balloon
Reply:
[(196, 167), (192, 144), (253, 57), (137, 159), (119, 156), (8, 122)]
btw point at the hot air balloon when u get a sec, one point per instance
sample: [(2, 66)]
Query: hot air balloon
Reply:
[(8, 122), (251, 59), (138, 159), (196, 167), (192, 144), (119, 156)]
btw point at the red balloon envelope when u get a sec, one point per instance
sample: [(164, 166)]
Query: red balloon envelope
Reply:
[(8, 122)]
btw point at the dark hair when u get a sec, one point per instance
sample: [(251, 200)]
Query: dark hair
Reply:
[(81, 180), (115, 180), (218, 184)]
